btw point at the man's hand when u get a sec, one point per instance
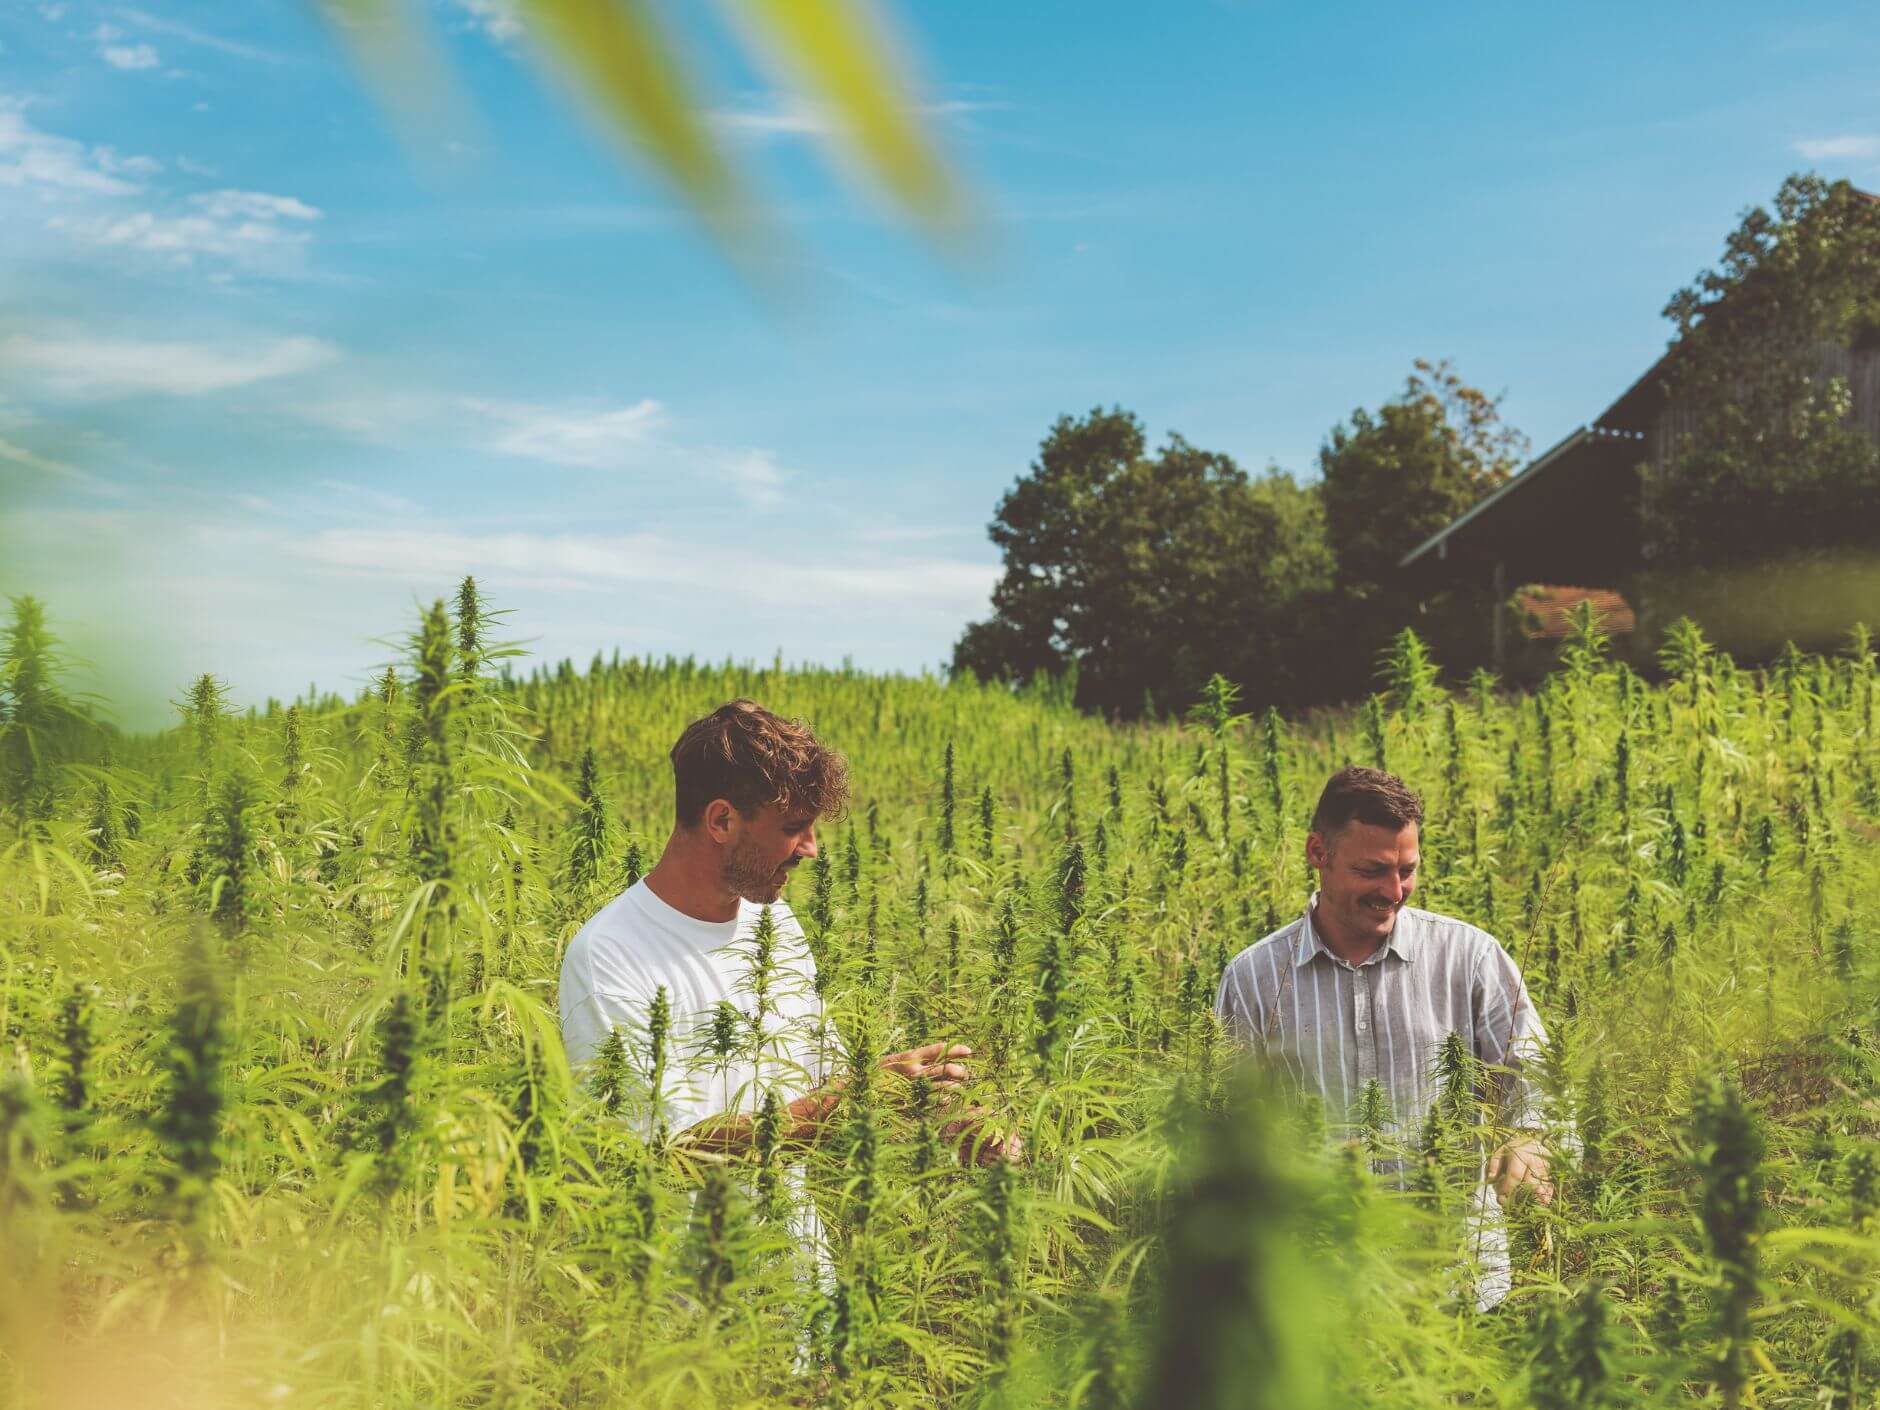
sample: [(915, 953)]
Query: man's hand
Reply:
[(937, 1062), (977, 1146), (733, 1134), (1521, 1162), (941, 1065)]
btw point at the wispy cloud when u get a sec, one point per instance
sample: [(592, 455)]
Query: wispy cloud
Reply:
[(1848, 147), (905, 533), (791, 116), (189, 34), (756, 475), (566, 561), (109, 161), (261, 232), (365, 499), (84, 196), (495, 18), (632, 438), (130, 57), (42, 161), (253, 205), (120, 55), (40, 464), (602, 438), (380, 415), (81, 366)]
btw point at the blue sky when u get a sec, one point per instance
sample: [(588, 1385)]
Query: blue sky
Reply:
[(266, 380)]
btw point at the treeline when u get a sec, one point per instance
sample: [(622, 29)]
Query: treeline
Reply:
[(1137, 573), (1143, 573)]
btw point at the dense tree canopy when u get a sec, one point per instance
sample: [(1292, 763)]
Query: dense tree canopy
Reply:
[(1771, 463), (1147, 572), (1392, 478)]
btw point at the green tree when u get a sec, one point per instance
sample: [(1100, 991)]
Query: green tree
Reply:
[(1146, 572), (1771, 463), (1393, 477), (1388, 480)]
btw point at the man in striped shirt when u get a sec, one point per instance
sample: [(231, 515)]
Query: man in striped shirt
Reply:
[(1363, 988)]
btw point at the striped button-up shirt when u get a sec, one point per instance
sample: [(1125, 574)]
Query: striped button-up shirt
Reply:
[(1334, 1027)]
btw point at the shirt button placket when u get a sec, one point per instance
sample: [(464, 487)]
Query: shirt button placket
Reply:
[(1367, 1039)]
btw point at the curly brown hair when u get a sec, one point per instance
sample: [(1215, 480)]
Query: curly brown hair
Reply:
[(1368, 795), (748, 756)]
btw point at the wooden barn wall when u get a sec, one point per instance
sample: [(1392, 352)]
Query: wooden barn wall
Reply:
[(1860, 368)]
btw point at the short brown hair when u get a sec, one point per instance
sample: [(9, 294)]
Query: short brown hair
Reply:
[(1369, 796), (744, 754)]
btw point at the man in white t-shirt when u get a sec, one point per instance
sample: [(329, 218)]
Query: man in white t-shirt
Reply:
[(749, 789)]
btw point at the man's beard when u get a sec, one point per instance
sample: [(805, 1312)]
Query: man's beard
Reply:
[(747, 876)]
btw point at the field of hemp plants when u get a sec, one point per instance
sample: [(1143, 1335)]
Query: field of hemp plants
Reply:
[(285, 1119)]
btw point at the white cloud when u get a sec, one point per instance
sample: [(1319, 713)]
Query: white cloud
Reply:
[(603, 439), (904, 533), (130, 57), (566, 561), (496, 18), (51, 468), (215, 583), (42, 464), (786, 119), (109, 161), (1847, 147), (791, 116), (365, 498), (82, 191), (253, 205), (38, 160), (79, 366), (241, 227), (756, 474), (964, 107), (625, 438), (380, 415), (191, 35)]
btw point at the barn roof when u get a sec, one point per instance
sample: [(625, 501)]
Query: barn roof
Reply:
[(1582, 479), (1576, 503)]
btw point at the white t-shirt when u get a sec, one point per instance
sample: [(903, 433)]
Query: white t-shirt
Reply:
[(635, 944)]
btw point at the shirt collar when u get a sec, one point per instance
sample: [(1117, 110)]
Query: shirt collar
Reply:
[(1402, 942)]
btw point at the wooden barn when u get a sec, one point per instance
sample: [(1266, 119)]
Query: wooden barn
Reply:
[(1569, 528)]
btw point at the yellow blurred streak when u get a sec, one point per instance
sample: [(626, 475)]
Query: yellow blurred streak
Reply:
[(617, 52), (839, 50), (406, 72), (618, 55)]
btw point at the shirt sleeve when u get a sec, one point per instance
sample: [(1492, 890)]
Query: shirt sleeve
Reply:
[(587, 1020), (1509, 1036)]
